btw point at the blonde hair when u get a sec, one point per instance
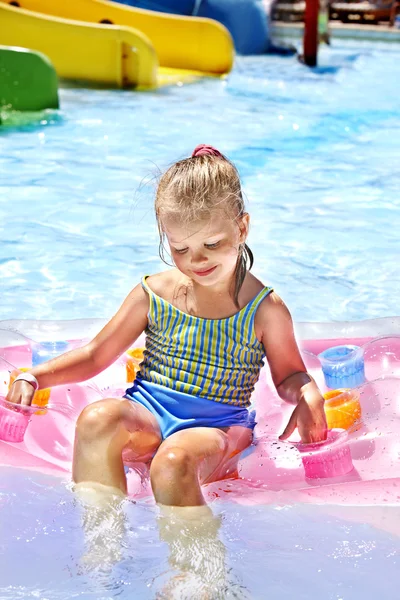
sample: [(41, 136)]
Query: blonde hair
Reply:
[(192, 189)]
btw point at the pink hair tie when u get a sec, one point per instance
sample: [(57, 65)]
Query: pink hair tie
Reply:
[(203, 150)]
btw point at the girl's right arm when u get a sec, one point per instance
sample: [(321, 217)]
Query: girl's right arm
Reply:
[(86, 362)]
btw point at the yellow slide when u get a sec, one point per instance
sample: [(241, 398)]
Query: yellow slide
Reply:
[(113, 56), (192, 43)]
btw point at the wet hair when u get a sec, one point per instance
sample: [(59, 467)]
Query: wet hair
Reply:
[(193, 188)]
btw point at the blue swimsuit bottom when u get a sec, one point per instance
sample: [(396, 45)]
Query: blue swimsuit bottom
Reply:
[(176, 410)]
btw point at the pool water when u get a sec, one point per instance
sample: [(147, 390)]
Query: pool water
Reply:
[(247, 553), (318, 154)]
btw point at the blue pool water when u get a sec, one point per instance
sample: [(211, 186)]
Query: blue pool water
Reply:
[(317, 151), (318, 154), (255, 552)]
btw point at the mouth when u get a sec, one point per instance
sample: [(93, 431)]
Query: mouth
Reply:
[(205, 272)]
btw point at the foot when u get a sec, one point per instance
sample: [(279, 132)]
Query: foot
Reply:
[(103, 523)]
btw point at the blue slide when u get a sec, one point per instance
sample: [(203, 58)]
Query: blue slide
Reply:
[(247, 20)]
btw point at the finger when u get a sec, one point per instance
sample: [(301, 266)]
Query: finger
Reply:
[(13, 396), (26, 397), (321, 435), (21, 393), (290, 427), (306, 436), (319, 432), (312, 436)]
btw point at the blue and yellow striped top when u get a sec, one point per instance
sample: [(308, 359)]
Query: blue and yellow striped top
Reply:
[(217, 359)]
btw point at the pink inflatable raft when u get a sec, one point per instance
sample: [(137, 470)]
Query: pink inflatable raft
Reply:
[(357, 366)]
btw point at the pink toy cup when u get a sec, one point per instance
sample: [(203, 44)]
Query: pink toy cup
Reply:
[(13, 421), (331, 458)]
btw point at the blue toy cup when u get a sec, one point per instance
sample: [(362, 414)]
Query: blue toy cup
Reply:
[(343, 366), (43, 351)]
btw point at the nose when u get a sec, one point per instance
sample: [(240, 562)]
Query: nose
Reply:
[(198, 257)]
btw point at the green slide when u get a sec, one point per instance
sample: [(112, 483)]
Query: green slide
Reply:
[(28, 81)]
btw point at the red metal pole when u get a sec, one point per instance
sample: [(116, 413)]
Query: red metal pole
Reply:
[(310, 40)]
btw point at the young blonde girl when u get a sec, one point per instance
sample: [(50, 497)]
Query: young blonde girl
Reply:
[(209, 324)]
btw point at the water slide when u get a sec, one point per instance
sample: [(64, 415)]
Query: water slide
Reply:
[(248, 21), (113, 44), (37, 87)]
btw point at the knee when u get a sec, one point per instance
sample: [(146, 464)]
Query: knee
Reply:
[(99, 419), (172, 464)]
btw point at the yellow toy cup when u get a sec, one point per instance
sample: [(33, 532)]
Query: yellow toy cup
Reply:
[(342, 408), (41, 397), (133, 363)]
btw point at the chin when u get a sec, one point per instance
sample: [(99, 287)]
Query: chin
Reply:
[(214, 278)]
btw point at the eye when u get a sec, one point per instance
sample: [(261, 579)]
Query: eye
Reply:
[(211, 246), (180, 250)]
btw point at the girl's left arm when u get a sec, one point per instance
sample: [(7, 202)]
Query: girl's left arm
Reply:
[(274, 328)]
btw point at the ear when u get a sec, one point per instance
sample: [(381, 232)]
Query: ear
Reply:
[(244, 225)]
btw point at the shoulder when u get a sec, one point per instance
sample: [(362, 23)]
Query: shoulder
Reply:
[(272, 314), (166, 284), (251, 287), (137, 298)]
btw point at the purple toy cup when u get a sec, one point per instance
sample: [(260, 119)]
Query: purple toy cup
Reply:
[(13, 421), (331, 458)]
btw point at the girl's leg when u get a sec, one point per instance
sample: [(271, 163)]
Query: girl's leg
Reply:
[(194, 456), (104, 431), (196, 553)]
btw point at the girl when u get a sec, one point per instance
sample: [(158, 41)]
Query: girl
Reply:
[(209, 323)]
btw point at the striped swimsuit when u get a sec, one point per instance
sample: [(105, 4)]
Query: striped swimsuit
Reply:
[(198, 372)]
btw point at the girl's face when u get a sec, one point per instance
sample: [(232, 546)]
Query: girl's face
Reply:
[(206, 250)]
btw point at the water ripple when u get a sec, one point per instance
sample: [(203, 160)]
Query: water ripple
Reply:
[(317, 152)]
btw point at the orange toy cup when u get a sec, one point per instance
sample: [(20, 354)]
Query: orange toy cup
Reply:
[(133, 363), (41, 397), (342, 408)]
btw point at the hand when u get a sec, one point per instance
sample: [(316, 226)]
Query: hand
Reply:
[(20, 392), (309, 418)]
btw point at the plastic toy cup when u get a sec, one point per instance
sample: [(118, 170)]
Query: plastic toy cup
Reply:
[(42, 352), (133, 363), (41, 397), (343, 366), (331, 458), (13, 421), (342, 408)]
